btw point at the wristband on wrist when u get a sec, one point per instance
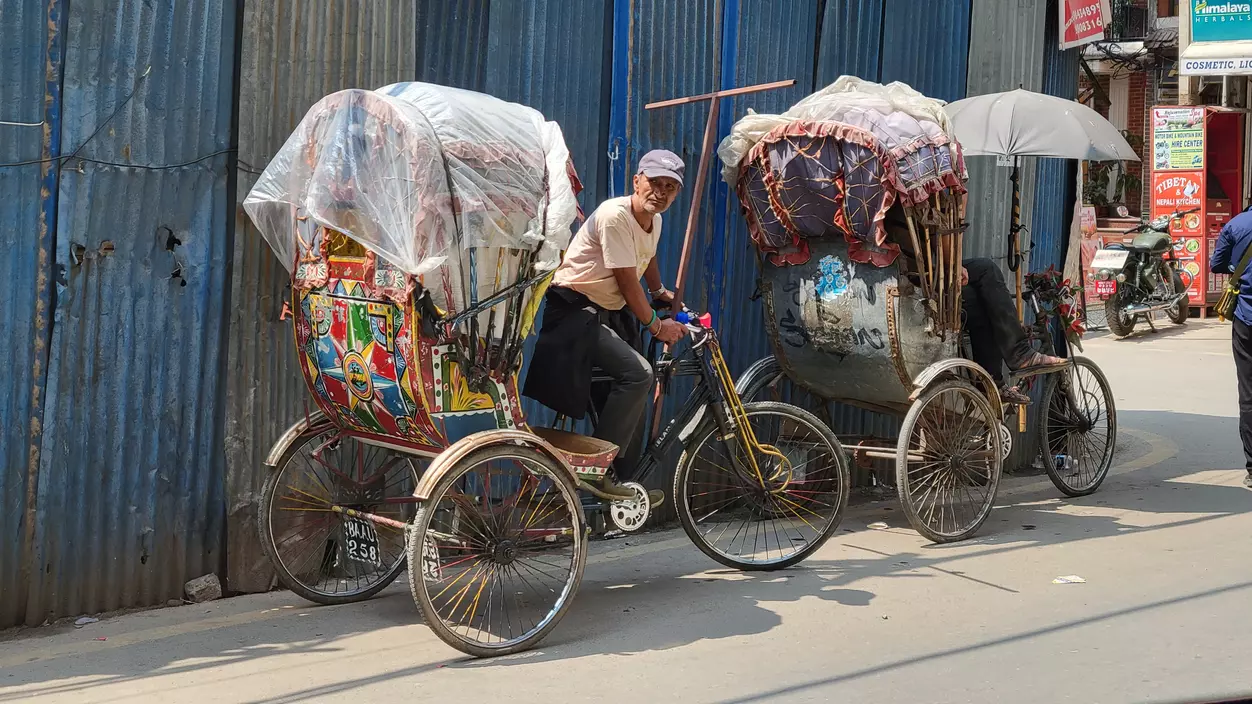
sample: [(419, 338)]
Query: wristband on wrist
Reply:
[(659, 292)]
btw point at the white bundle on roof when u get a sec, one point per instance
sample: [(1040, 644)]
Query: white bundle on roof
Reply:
[(877, 108)]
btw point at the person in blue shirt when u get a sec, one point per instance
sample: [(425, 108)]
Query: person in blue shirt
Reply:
[(1231, 245)]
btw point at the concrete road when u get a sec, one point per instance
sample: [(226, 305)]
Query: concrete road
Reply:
[(875, 616)]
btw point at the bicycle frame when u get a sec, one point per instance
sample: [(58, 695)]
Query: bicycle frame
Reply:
[(713, 391)]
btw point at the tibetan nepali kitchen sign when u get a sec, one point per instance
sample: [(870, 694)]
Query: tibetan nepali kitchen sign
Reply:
[(1178, 191), (1082, 21), (1221, 20)]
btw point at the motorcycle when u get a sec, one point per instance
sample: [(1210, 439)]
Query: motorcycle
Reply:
[(1143, 277)]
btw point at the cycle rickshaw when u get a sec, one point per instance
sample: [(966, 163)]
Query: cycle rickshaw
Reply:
[(855, 200), (421, 225)]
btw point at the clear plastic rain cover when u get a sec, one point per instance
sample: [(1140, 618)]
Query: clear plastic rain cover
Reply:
[(417, 173)]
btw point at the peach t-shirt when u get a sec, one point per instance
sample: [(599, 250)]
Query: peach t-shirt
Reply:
[(610, 239)]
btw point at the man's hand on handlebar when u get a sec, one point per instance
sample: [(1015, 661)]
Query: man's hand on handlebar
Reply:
[(670, 331)]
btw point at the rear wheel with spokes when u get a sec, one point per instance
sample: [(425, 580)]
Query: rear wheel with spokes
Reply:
[(773, 509), (318, 551), (498, 551), (948, 462), (1078, 430)]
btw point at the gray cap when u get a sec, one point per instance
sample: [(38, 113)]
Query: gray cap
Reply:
[(661, 163)]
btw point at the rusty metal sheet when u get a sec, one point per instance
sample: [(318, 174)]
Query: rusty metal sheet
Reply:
[(29, 144), (129, 492), (282, 74)]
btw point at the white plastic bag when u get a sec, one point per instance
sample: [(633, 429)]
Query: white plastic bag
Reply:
[(418, 173)]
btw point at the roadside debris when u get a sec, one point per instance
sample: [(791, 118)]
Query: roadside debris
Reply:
[(84, 621), (879, 525), (1069, 579), (201, 589)]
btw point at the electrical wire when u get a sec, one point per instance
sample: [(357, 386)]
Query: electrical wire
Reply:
[(60, 160), (241, 164)]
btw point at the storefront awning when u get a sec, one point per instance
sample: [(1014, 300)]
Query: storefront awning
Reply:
[(1217, 59)]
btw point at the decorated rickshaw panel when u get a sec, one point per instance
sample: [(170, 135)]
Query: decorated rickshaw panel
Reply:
[(368, 367), (355, 354)]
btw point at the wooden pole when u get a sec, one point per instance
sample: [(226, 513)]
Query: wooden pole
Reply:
[(1016, 232), (702, 171), (720, 94), (697, 197)]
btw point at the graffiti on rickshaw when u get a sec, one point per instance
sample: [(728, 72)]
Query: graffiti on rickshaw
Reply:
[(795, 321)]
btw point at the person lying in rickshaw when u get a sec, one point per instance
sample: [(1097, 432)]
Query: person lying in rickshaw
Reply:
[(594, 311), (989, 315), (997, 336)]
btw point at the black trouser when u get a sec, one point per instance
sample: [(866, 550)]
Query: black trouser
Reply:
[(991, 319), (621, 419), (1241, 341)]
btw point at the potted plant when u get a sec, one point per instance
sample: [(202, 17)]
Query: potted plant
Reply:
[(1096, 189), (1127, 182)]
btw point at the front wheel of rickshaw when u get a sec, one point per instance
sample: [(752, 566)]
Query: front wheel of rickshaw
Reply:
[(1078, 430), (948, 462), (498, 551), (319, 552), (786, 500)]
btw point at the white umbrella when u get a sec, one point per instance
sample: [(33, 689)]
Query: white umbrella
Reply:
[(1023, 123)]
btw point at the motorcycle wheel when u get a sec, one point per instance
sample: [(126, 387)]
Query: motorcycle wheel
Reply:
[(1178, 314), (1120, 323)]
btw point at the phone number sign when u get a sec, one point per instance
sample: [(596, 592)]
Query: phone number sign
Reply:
[(1083, 21)]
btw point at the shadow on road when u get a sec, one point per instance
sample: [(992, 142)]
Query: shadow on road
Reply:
[(612, 615)]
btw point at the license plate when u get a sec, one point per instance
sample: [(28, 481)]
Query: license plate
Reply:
[(1109, 259), (362, 542), (1106, 288)]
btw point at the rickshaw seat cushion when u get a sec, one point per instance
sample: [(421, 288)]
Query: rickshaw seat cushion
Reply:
[(582, 452)]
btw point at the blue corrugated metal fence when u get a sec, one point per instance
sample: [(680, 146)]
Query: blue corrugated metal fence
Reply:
[(125, 485), (118, 267), (30, 140)]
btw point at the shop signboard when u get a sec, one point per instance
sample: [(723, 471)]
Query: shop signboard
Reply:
[(1221, 20), (1177, 139), (1184, 190), (1083, 21)]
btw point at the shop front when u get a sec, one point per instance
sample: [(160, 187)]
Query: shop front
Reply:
[(1199, 152), (1197, 162)]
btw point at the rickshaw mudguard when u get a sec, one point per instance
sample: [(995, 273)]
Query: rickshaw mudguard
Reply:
[(763, 369), (960, 369), (300, 427), (462, 448)]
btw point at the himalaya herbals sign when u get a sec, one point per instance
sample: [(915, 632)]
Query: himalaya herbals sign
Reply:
[(1220, 20)]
